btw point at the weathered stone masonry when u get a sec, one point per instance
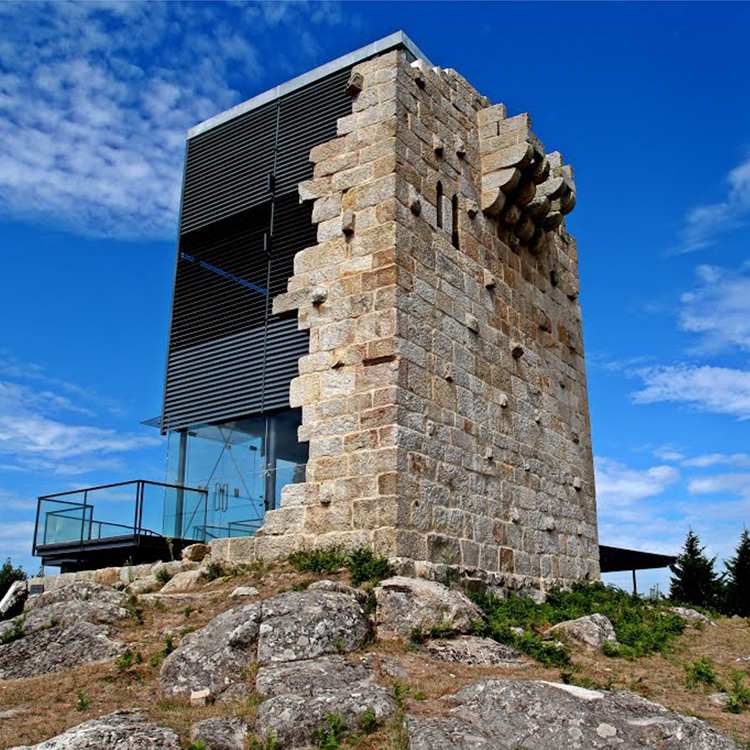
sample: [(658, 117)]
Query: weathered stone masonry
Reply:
[(444, 395)]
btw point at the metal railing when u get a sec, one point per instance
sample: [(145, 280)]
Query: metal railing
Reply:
[(134, 508)]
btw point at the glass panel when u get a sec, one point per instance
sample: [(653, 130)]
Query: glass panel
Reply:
[(61, 522), (243, 464)]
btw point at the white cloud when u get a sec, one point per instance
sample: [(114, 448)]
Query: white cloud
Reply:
[(718, 459), (720, 390), (704, 224), (37, 434), (619, 487), (734, 484), (668, 453), (718, 309), (95, 99)]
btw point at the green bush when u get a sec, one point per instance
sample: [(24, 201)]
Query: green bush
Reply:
[(163, 575), (363, 565), (642, 626), (82, 700), (330, 733), (699, 673), (738, 694), (214, 570), (368, 721), (15, 632)]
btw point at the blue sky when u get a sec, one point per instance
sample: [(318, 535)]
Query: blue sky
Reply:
[(648, 102)]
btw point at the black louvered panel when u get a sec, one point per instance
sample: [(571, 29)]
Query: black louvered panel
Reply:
[(221, 281), (286, 344), (216, 380), (227, 168), (308, 117)]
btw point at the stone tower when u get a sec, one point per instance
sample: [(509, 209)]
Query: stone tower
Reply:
[(444, 394)]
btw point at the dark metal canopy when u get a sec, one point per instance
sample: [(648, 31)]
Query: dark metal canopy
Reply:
[(614, 559)]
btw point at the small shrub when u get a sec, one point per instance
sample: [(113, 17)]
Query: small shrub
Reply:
[(82, 700), (738, 694), (368, 721), (187, 612), (214, 570), (134, 609), (197, 745), (364, 566), (330, 733), (269, 743), (700, 673), (127, 659), (15, 632), (328, 560), (168, 644), (163, 575)]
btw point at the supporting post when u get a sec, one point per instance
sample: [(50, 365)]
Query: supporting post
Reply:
[(270, 499), (635, 585), (180, 492)]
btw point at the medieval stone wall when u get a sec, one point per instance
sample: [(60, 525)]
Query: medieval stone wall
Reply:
[(444, 395)]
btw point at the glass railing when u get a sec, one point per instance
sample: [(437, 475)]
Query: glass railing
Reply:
[(125, 509)]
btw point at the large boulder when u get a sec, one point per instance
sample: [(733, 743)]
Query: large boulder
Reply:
[(306, 624), (75, 602), (509, 714), (221, 733), (196, 552), (187, 580), (303, 693), (691, 616), (13, 601), (56, 648), (214, 657), (405, 604), (476, 652), (122, 730), (591, 631)]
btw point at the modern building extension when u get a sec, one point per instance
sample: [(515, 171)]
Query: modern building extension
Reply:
[(375, 340)]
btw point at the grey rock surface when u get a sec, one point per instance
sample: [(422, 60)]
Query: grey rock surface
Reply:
[(478, 652), (407, 603), (534, 715), (306, 624), (122, 730), (337, 586), (692, 616), (14, 599), (214, 657), (220, 733), (303, 693), (590, 631), (56, 648), (242, 591), (310, 677)]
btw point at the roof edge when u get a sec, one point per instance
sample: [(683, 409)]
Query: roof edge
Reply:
[(392, 41)]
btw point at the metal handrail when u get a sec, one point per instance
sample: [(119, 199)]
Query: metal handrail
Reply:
[(87, 519)]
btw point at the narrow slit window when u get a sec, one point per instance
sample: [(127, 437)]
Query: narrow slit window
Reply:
[(454, 220), (440, 204)]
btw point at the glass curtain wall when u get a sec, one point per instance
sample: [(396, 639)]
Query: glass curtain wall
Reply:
[(242, 463)]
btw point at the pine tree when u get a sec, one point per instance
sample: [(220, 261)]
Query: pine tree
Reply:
[(738, 579), (694, 580)]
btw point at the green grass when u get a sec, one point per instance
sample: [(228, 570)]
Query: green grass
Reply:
[(331, 732), (163, 575), (642, 626), (82, 700), (363, 565), (15, 632), (738, 693)]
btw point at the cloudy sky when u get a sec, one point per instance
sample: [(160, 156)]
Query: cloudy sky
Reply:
[(648, 102)]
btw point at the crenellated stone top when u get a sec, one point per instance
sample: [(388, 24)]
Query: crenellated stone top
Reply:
[(527, 190)]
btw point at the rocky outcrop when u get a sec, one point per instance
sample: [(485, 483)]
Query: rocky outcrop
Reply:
[(405, 604), (220, 733), (187, 580), (56, 648), (214, 657), (691, 616), (122, 730), (477, 652), (508, 714), (302, 694), (590, 631), (13, 601), (243, 591), (196, 552), (306, 624)]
